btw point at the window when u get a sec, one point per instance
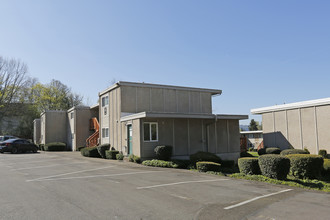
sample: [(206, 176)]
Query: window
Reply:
[(105, 101), (105, 132), (150, 131)]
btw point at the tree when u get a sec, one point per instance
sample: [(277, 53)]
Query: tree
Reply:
[(12, 78), (253, 125)]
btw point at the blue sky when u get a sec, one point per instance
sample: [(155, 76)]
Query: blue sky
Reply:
[(260, 53)]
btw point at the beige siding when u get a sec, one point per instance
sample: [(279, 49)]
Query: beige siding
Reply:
[(183, 101), (143, 99), (234, 136), (268, 129), (170, 100), (206, 102), (281, 130), (128, 99), (308, 129), (323, 127), (136, 126), (157, 100), (195, 136), (222, 137), (294, 128)]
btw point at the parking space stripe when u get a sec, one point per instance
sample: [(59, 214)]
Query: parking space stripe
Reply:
[(94, 176), (256, 198), (37, 161), (178, 183), (53, 165), (64, 174)]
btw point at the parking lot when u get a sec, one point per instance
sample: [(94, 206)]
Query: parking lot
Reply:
[(65, 185)]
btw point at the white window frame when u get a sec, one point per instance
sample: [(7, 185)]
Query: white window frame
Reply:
[(105, 132), (150, 132), (105, 101)]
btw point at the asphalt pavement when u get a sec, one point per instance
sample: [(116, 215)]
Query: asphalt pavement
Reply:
[(65, 185)]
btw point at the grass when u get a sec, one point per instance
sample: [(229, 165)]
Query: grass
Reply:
[(302, 183)]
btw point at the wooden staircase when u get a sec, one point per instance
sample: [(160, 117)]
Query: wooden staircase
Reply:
[(93, 140)]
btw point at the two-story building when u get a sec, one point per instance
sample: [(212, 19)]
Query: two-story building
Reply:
[(137, 117)]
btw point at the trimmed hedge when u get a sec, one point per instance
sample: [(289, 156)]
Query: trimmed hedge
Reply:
[(90, 152), (133, 158), (204, 156), (323, 153), (163, 152), (262, 151), (120, 156), (273, 150), (102, 148), (159, 163), (293, 151), (245, 154), (326, 167), (274, 166), (249, 166), (227, 163), (111, 154), (204, 166), (182, 164), (55, 146), (305, 165)]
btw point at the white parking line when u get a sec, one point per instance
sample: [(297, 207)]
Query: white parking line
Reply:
[(64, 174), (94, 176), (53, 165), (256, 198), (177, 183)]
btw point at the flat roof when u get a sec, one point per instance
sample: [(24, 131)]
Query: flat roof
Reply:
[(78, 107), (149, 85), (251, 132), (180, 115), (295, 105)]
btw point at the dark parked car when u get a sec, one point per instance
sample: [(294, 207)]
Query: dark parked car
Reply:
[(6, 137), (17, 146)]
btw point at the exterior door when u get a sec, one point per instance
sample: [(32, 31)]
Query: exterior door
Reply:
[(129, 139)]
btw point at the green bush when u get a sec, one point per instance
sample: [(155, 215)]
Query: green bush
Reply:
[(245, 154), (262, 151), (120, 156), (326, 167), (163, 152), (55, 146), (204, 166), (159, 163), (204, 156), (273, 150), (249, 165), (133, 158), (102, 148), (274, 166), (41, 147), (182, 164), (306, 149), (323, 153), (293, 151), (305, 165), (111, 154), (227, 163), (90, 152)]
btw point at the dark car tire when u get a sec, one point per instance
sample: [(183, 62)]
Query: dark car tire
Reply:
[(14, 150), (35, 150)]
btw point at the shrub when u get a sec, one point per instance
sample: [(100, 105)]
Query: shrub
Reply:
[(204, 166), (111, 154), (249, 165), (305, 165), (41, 147), (102, 148), (273, 150), (204, 156), (262, 151), (163, 152), (133, 158), (182, 164), (326, 167), (159, 163), (274, 166), (55, 146), (323, 153), (245, 154), (293, 151), (90, 152), (120, 156), (227, 163), (305, 149)]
